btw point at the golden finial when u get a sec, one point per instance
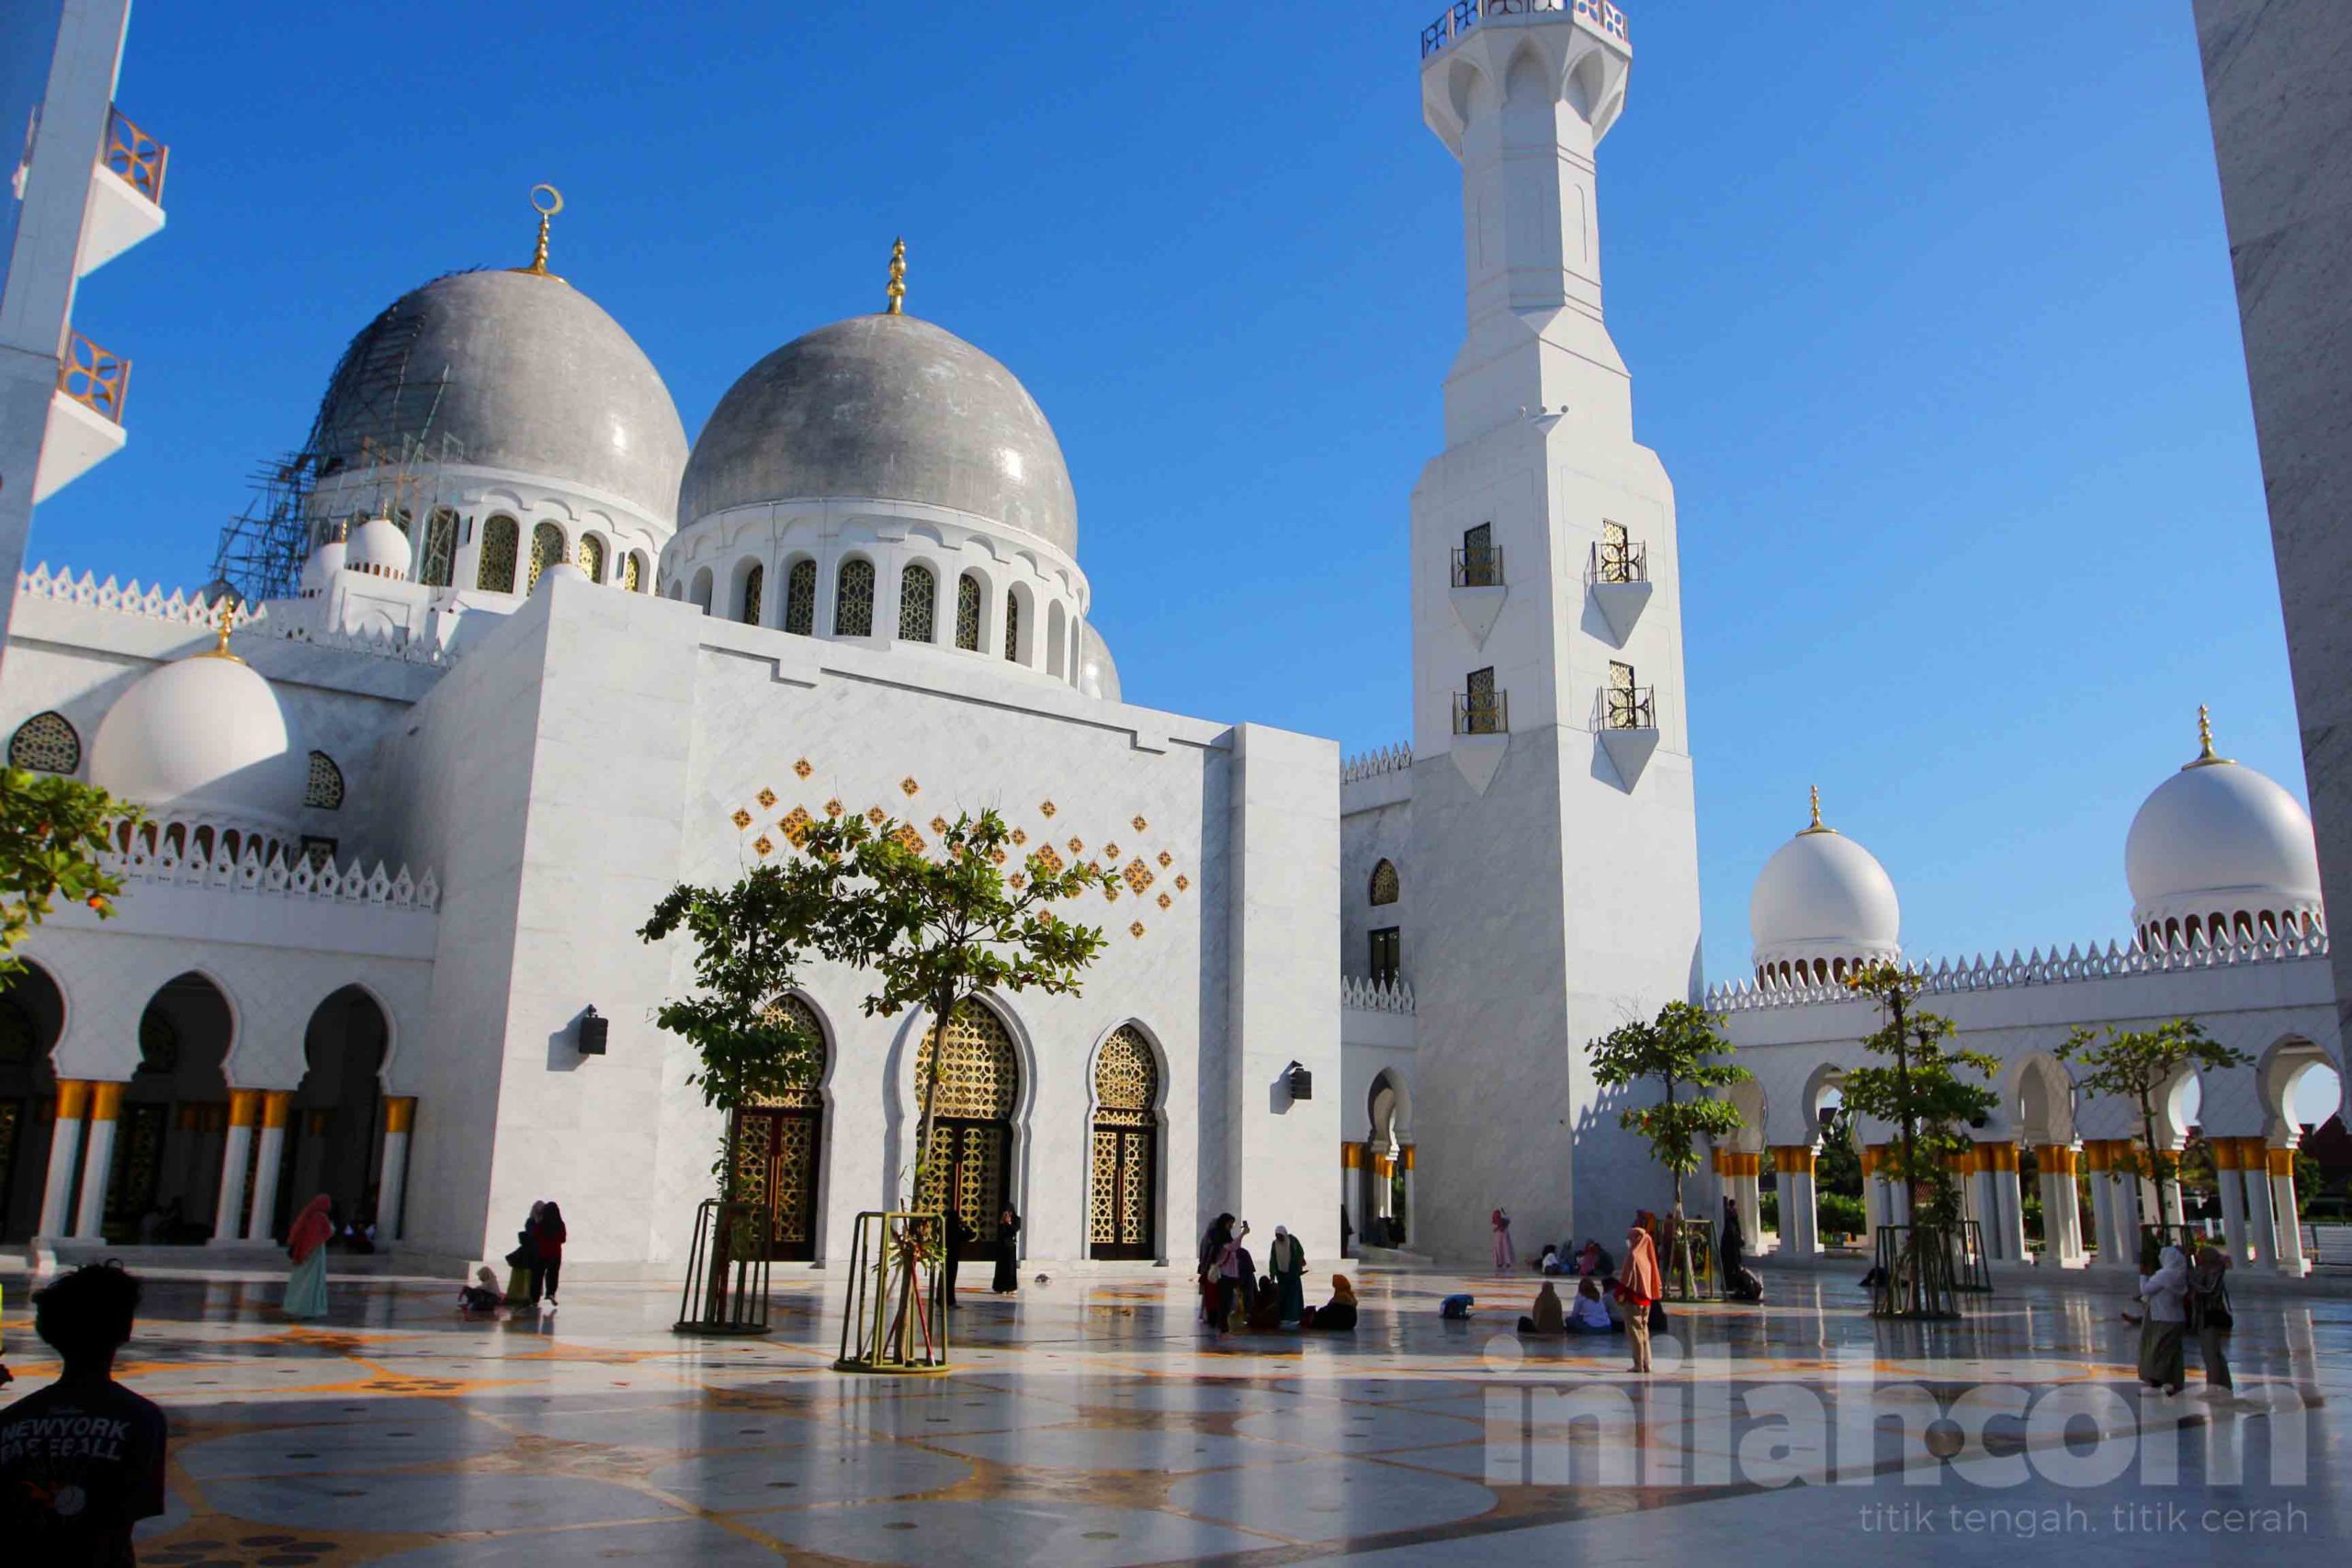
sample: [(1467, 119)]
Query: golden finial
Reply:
[(897, 292), (1815, 826), (547, 201), (2205, 755), (223, 622)]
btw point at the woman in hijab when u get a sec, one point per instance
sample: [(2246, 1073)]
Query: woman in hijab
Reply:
[(1288, 1258), (1640, 1288), (1337, 1315), (1215, 1245), (2209, 1313), (2166, 1292), (1734, 1249), (306, 1243), (1550, 1316), (1008, 1254), (547, 1253), (1505, 1259)]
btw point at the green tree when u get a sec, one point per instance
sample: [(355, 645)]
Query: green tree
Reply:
[(1838, 1168), (1677, 1049), (1922, 1092), (52, 830), (2140, 1066)]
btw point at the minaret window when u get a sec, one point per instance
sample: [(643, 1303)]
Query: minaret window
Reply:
[(918, 592), (1626, 705), (1479, 709), (500, 537), (1617, 559), (1478, 564), (967, 613), (756, 583), (45, 743), (633, 572), (440, 563), (547, 549), (854, 598), (1387, 954), (592, 557), (1012, 627), (1384, 887), (800, 599), (325, 792)]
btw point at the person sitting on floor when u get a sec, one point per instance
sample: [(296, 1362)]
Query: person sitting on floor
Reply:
[(1337, 1315), (1594, 1263), (1550, 1262), (1548, 1317), (1591, 1314), (1265, 1306), (483, 1298)]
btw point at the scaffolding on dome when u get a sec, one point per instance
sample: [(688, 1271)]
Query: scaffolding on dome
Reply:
[(371, 399)]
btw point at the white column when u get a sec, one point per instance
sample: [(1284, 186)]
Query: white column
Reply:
[(2261, 1237), (2061, 1219), (2008, 1204), (1800, 1213), (274, 1106), (229, 1209), (64, 1155), (1411, 1209), (97, 1160), (1981, 1205), (2283, 1209), (2229, 1187)]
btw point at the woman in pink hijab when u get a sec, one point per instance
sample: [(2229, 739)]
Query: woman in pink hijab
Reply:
[(306, 1243)]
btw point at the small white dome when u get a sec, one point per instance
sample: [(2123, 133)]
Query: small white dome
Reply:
[(1821, 905), (2220, 838), (379, 548), (554, 570), (318, 572), (202, 734), (1098, 675)]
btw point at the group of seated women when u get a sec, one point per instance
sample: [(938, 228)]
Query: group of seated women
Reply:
[(1588, 1314)]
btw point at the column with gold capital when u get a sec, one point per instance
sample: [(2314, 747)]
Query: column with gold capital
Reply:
[(229, 1208), (97, 1160), (277, 1104), (64, 1155), (399, 1118)]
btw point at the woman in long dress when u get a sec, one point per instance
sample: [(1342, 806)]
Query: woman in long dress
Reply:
[(1640, 1288), (1008, 1254), (2209, 1314), (1288, 1258), (2166, 1292), (306, 1243), (1505, 1260)]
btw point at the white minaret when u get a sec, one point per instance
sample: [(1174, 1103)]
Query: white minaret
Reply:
[(1553, 837)]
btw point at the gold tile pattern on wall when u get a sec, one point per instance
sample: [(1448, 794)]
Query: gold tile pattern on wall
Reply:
[(1017, 880), (1166, 859), (764, 845), (1077, 846), (1046, 806), (1137, 874), (1165, 900), (908, 839), (939, 826), (1135, 929), (907, 786), (804, 767), (1110, 850), (1139, 825), (1047, 857), (767, 798), (834, 809), (795, 825), (1020, 837), (742, 818), (874, 815), (1181, 884)]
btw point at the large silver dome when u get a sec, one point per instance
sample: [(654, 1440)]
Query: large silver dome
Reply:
[(508, 371), (886, 407)]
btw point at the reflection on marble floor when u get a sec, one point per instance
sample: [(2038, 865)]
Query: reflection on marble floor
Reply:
[(1093, 1422)]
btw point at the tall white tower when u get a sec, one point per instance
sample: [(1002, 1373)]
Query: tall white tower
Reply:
[(1553, 835)]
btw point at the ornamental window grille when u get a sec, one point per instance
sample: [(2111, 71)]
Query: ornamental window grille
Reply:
[(967, 613), (439, 566), (854, 598), (45, 743), (1479, 709), (1012, 627), (800, 599), (1124, 1189), (633, 572), (980, 1073), (1388, 954), (325, 792), (592, 557), (1627, 705), (547, 549), (1384, 888), (1479, 564), (807, 1094), (917, 591), (319, 851), (500, 537), (1126, 1078), (756, 583), (1617, 559)]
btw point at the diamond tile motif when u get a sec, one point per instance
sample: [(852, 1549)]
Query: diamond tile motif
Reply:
[(767, 798), (908, 839), (1110, 850), (1047, 857), (1138, 875), (1046, 806), (765, 845), (1181, 884), (1020, 837), (795, 825), (907, 785), (1139, 825), (1077, 846), (1017, 880), (1166, 859), (939, 826), (874, 815), (995, 857), (834, 809), (1135, 929), (804, 767), (1165, 901), (742, 818)]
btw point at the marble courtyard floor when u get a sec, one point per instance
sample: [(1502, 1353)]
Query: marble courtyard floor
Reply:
[(1093, 1422)]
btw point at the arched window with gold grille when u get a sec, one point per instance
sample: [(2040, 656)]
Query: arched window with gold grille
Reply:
[(495, 572), (980, 1090), (1124, 1186), (800, 598), (1012, 627), (324, 790), (853, 598), (967, 613), (45, 743), (438, 562), (547, 549), (1384, 887), (592, 557), (633, 572), (779, 1149), (755, 583), (917, 591)]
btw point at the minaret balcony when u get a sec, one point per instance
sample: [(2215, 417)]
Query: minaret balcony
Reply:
[(125, 194), (84, 416), (1457, 20), (1628, 728), (1482, 713), (1619, 578), (1476, 588)]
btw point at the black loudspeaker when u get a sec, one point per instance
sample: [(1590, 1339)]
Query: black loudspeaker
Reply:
[(592, 1033), (1302, 1082)]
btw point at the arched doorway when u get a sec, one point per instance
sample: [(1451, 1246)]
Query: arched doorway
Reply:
[(33, 1015), (333, 1141), (980, 1089), (1126, 1186), (1387, 1222), (779, 1151), (164, 1177)]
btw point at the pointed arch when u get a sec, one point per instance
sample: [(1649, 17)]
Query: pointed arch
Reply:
[(494, 570), (1384, 888), (1127, 1083), (46, 743)]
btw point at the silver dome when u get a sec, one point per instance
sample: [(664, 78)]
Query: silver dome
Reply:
[(508, 371), (886, 407)]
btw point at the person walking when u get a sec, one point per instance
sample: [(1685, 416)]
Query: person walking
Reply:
[(1505, 1259), (1640, 1288), (519, 1261), (959, 1236), (306, 1243), (546, 1254), (1214, 1243), (2166, 1294), (1008, 1253), (2209, 1314), (1287, 1259)]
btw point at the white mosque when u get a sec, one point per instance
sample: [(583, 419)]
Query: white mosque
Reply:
[(546, 657)]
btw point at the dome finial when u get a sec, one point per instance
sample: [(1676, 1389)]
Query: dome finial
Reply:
[(547, 206), (1816, 827), (896, 291), (2205, 755), (223, 623)]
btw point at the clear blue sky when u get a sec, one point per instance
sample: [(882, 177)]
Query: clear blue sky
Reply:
[(1928, 310)]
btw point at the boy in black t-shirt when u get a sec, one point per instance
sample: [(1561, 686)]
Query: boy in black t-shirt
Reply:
[(82, 1461)]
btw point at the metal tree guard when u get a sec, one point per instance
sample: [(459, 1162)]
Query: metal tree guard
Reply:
[(896, 1320), (1690, 1273), (726, 1272), (1915, 1277)]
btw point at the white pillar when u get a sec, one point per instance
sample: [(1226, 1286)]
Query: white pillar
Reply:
[(97, 1160), (2061, 1218), (2229, 1187), (2283, 1209), (1800, 1213), (274, 1106), (229, 1209), (2261, 1229), (2008, 1205), (64, 1155), (1410, 1208)]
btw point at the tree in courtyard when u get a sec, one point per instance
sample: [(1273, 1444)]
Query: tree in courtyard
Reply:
[(52, 830), (1677, 1049), (1922, 1091), (937, 926), (2141, 1065)]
